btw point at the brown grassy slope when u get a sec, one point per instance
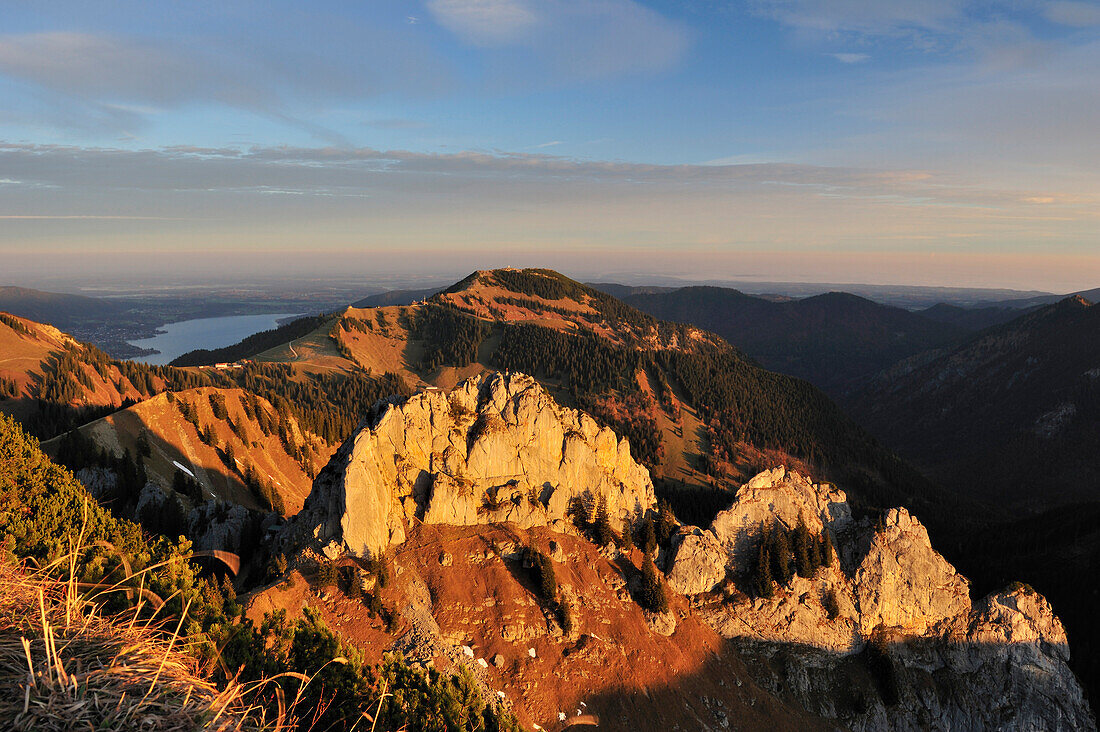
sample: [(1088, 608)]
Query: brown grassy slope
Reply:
[(172, 438), (27, 357), (64, 666), (614, 664)]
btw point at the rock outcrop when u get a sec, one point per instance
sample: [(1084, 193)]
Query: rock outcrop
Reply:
[(782, 497), (698, 565), (496, 449), (885, 637), (904, 583)]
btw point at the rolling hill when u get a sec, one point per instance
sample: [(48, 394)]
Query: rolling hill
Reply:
[(59, 309), (972, 319), (697, 412), (236, 452), (52, 382)]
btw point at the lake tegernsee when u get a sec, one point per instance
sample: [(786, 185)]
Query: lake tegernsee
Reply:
[(176, 339)]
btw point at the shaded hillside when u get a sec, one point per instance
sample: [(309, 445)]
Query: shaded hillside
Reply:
[(971, 319), (830, 340), (58, 309), (623, 291), (1009, 419), (1014, 409)]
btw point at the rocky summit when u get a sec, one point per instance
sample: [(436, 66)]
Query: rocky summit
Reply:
[(888, 599), (862, 622), (496, 449)]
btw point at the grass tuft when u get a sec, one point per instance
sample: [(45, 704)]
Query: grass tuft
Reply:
[(64, 665)]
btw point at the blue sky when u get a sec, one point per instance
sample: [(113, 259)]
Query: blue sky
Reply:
[(922, 142)]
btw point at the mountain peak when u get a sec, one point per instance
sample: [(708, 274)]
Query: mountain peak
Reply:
[(550, 299)]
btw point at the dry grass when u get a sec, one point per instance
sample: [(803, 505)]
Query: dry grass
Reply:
[(65, 666)]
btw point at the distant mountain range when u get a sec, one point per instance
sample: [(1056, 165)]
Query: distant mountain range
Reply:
[(830, 340), (395, 297)]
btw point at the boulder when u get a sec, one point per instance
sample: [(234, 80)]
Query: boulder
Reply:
[(698, 565)]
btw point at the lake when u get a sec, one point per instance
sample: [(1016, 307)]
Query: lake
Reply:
[(176, 339)]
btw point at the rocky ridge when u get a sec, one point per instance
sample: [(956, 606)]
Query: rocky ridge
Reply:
[(496, 449), (892, 603), (884, 635)]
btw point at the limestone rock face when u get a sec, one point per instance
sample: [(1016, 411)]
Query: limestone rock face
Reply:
[(496, 449), (780, 496), (1019, 616), (999, 664), (904, 583), (699, 564), (819, 613)]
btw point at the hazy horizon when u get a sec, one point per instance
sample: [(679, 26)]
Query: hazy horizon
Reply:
[(943, 143)]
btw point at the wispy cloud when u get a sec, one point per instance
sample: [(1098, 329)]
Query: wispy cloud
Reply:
[(579, 38), (233, 183), (877, 17), (486, 22), (396, 123), (850, 58), (116, 82)]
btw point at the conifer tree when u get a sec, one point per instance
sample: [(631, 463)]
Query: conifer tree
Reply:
[(666, 523), (763, 583), (781, 556), (601, 527), (802, 541), (628, 536), (828, 552), (816, 561), (654, 595), (326, 574)]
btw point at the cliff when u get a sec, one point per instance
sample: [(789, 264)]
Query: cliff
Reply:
[(496, 449), (885, 635)]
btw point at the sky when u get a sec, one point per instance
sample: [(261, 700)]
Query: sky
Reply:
[(938, 142)]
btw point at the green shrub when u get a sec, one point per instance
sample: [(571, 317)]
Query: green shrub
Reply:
[(326, 574), (542, 572)]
